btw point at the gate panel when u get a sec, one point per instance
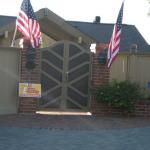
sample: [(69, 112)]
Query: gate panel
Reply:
[(78, 77), (65, 75), (51, 76)]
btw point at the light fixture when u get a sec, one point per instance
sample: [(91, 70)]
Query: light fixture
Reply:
[(102, 57)]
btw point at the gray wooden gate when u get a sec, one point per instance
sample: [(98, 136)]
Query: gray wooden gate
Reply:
[(65, 76)]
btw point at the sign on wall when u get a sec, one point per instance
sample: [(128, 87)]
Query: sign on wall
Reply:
[(29, 90)]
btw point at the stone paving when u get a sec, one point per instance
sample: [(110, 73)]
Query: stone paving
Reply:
[(40, 132)]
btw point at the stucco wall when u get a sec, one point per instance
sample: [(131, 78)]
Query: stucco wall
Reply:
[(9, 77)]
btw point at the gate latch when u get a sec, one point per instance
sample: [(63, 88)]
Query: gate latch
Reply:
[(67, 75)]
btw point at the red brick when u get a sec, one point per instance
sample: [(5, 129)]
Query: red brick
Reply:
[(29, 105)]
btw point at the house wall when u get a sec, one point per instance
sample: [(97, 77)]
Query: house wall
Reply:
[(118, 69), (9, 77), (133, 67), (6, 41), (46, 41)]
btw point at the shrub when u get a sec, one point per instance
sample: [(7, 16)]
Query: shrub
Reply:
[(121, 95)]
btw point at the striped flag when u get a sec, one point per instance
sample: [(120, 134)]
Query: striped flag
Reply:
[(27, 24), (113, 47)]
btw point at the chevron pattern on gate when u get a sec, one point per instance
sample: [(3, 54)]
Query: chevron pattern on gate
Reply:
[(65, 76)]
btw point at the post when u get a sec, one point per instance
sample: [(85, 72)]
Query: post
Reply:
[(28, 104), (100, 75), (12, 43)]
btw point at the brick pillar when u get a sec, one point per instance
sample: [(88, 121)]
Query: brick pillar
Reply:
[(28, 104), (100, 74)]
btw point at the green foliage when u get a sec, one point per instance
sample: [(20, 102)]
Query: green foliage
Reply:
[(121, 95)]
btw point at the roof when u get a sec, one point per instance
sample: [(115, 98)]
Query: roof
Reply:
[(6, 20), (52, 25), (98, 32), (102, 32)]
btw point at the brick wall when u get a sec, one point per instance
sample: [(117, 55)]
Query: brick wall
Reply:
[(29, 105), (100, 75), (142, 109)]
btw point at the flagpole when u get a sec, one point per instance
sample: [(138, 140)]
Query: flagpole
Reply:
[(12, 43), (113, 47)]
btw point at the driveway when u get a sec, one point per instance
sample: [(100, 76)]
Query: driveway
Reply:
[(37, 132)]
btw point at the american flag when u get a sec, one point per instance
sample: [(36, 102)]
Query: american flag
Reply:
[(27, 24), (113, 47)]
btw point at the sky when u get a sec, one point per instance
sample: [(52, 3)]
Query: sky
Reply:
[(135, 11)]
